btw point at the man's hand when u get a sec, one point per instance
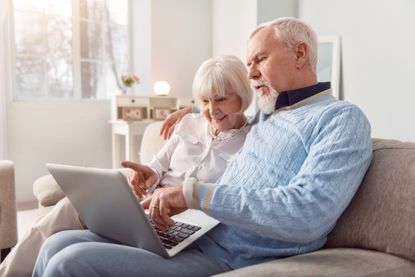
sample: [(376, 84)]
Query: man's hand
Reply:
[(141, 178), (164, 203), (171, 121)]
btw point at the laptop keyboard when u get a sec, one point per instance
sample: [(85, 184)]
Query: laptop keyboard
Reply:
[(175, 234)]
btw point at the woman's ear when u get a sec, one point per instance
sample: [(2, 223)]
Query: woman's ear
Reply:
[(301, 52)]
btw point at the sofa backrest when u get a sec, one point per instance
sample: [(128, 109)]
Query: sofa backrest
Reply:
[(381, 215), (151, 142)]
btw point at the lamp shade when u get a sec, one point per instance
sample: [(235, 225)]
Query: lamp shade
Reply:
[(161, 88)]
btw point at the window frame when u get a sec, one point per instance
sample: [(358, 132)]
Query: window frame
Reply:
[(76, 52)]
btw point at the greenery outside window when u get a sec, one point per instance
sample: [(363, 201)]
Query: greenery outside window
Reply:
[(67, 49)]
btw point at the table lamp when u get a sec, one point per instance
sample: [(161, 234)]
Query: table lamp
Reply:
[(161, 88)]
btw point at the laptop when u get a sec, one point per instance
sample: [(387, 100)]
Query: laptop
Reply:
[(107, 206)]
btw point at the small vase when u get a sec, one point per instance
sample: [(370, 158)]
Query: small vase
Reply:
[(128, 91)]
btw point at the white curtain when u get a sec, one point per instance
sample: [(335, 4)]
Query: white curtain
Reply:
[(3, 93)]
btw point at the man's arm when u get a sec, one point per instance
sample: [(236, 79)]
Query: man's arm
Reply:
[(308, 207)]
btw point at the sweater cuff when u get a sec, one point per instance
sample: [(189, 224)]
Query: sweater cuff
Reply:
[(188, 185), (197, 195)]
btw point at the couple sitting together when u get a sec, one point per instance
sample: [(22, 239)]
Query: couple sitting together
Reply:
[(277, 182)]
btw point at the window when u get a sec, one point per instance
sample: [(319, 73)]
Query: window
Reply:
[(69, 49)]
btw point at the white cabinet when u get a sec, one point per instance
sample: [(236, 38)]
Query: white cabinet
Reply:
[(129, 132), (130, 115), (135, 108)]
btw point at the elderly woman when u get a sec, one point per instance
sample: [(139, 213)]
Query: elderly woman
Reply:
[(202, 143), (200, 147)]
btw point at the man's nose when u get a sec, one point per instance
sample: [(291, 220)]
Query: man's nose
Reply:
[(253, 72)]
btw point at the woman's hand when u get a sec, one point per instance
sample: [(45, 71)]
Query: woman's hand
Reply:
[(164, 203), (171, 121), (141, 178)]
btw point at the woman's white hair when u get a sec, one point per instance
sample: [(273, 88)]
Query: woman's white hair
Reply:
[(291, 31), (223, 75)]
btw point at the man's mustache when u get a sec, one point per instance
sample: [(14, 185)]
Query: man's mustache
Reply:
[(256, 84)]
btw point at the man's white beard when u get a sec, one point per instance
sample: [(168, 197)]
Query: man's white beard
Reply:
[(266, 103)]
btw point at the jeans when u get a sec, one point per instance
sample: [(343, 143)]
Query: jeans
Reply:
[(84, 253)]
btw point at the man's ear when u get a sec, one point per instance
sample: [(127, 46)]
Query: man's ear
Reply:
[(301, 52)]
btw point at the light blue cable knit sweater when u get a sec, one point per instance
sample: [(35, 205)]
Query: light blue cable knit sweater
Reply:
[(284, 190)]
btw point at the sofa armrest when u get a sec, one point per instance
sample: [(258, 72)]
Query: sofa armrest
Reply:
[(8, 215)]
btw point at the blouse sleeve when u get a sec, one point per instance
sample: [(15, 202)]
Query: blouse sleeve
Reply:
[(161, 161)]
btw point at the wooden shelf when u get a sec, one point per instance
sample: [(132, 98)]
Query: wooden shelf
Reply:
[(136, 108)]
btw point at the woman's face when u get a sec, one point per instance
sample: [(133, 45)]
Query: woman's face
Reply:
[(223, 113)]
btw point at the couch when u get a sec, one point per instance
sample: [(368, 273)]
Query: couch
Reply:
[(8, 216), (375, 236)]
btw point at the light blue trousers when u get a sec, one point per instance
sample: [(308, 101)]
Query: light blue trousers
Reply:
[(84, 253)]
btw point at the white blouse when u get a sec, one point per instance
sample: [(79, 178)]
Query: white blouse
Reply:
[(193, 152)]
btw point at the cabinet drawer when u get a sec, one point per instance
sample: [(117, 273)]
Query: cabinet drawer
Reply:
[(132, 101)]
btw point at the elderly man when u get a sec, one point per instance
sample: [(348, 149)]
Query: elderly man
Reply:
[(300, 166)]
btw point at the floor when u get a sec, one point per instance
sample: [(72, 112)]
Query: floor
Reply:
[(27, 214)]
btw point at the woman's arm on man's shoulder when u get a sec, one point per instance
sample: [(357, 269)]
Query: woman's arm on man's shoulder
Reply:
[(171, 121)]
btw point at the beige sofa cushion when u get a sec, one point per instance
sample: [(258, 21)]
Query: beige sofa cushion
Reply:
[(381, 216), (47, 191), (151, 142), (332, 262)]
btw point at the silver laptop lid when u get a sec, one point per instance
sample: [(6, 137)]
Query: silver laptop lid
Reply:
[(107, 205)]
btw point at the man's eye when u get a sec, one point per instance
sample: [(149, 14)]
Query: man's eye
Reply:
[(205, 101), (221, 99)]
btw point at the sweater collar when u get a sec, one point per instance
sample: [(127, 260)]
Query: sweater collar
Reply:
[(290, 97)]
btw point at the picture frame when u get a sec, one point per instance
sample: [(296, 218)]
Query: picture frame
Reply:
[(161, 113), (133, 113), (328, 62)]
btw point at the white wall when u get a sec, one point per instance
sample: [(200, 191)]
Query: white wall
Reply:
[(271, 9), (232, 22), (180, 41), (377, 61), (140, 32), (72, 132), (3, 77)]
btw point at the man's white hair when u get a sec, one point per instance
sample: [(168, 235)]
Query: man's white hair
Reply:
[(291, 31)]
